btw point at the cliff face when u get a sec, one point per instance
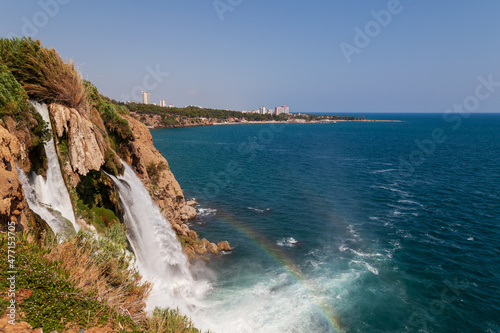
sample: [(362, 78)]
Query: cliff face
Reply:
[(83, 144), (90, 131), (85, 152), (12, 203), (154, 171), (155, 121), (152, 168)]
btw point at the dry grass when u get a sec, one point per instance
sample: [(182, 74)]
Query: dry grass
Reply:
[(43, 74), (98, 268), (60, 81), (170, 321)]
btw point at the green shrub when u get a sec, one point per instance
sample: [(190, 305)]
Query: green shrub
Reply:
[(155, 169), (13, 98), (55, 301), (102, 218), (170, 321), (110, 113), (118, 235), (97, 189)]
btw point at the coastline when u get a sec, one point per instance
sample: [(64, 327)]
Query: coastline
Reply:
[(273, 122)]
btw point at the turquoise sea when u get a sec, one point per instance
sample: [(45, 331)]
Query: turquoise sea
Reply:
[(352, 227)]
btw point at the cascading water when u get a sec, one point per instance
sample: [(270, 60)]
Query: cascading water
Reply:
[(160, 257), (56, 221), (49, 197)]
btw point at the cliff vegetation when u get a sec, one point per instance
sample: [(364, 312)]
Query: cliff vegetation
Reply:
[(84, 281)]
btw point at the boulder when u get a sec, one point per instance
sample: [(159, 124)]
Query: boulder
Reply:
[(212, 247), (224, 246), (179, 230), (192, 234), (191, 203), (188, 213), (200, 248)]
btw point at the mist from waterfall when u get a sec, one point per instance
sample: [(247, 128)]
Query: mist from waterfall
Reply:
[(160, 257)]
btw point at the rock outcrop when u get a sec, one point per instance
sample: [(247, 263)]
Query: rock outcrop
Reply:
[(12, 203), (88, 148), (155, 121), (188, 212), (224, 246), (152, 168), (85, 143)]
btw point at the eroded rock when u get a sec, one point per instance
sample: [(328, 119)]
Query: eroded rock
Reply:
[(224, 246), (85, 153), (188, 213)]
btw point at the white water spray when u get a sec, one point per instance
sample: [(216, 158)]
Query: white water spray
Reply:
[(56, 221), (49, 197), (159, 254), (52, 191)]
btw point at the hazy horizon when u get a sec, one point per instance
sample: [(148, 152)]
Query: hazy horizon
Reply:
[(343, 57)]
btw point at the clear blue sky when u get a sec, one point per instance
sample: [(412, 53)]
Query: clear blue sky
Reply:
[(282, 52)]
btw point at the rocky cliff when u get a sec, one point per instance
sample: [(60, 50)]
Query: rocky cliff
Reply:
[(156, 121), (12, 203), (91, 133)]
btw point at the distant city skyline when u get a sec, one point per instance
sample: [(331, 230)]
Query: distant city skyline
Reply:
[(364, 56)]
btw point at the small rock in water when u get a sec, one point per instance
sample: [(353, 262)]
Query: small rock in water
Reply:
[(224, 246), (188, 212)]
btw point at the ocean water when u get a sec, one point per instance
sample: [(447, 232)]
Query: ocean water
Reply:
[(352, 227)]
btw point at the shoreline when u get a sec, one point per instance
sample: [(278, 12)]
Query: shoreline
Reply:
[(277, 122)]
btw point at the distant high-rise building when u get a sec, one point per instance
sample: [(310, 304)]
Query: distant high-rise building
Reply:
[(262, 110), (145, 97), (281, 109), (163, 103)]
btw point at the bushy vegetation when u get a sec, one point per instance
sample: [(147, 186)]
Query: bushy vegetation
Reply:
[(82, 283), (88, 280), (169, 115), (60, 299), (43, 74), (154, 170), (170, 321), (190, 111), (14, 105), (12, 95), (110, 113)]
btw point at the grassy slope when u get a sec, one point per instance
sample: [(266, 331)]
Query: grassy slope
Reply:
[(83, 282), (74, 288)]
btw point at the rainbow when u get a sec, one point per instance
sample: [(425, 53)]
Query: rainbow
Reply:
[(268, 247)]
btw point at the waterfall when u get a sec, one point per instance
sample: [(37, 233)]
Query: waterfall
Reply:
[(49, 197), (52, 191), (160, 257), (56, 221)]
